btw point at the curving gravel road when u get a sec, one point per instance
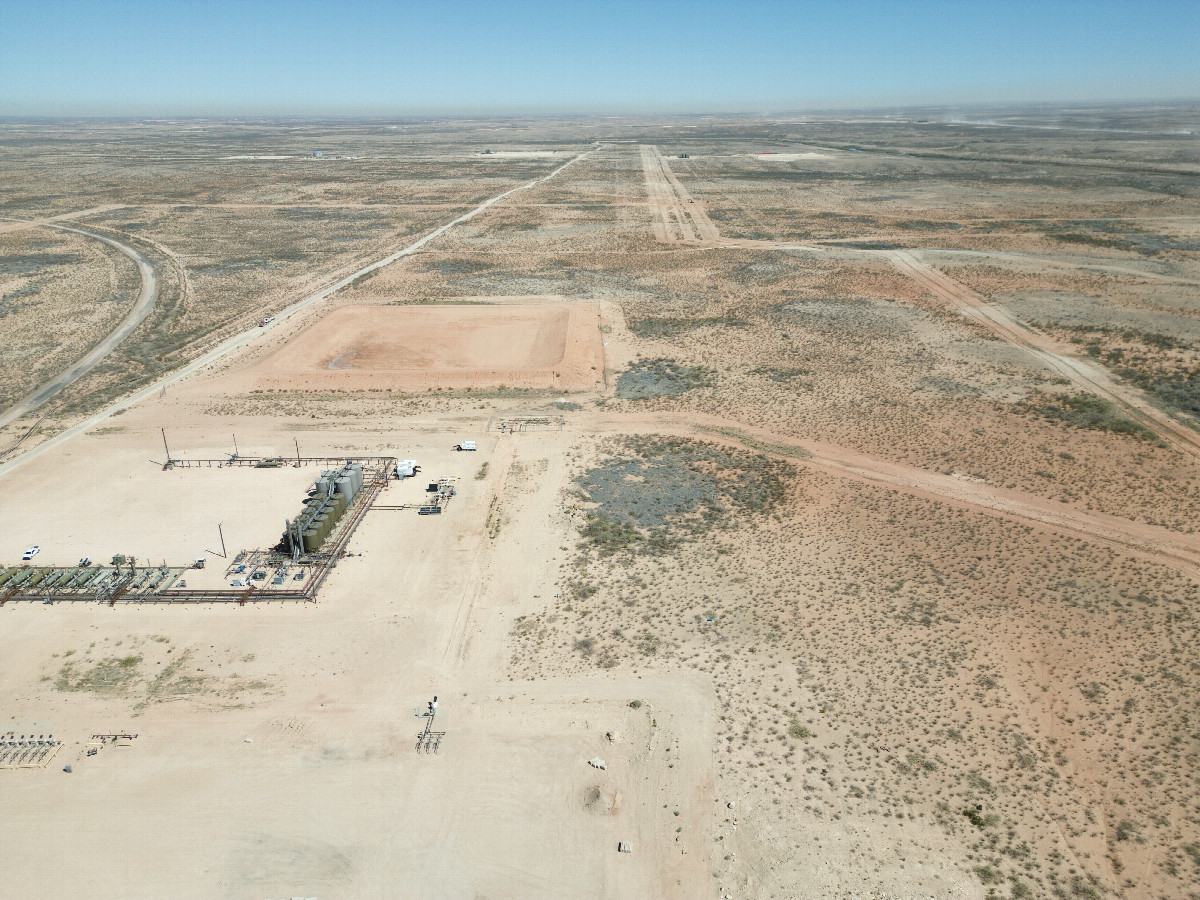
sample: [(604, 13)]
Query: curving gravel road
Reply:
[(238, 341), (141, 308)]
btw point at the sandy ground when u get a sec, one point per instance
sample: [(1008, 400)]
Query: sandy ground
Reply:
[(552, 345), (1087, 375), (332, 800), (522, 154), (679, 217)]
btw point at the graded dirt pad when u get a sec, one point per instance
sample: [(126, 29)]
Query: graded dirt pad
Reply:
[(552, 344), (293, 727)]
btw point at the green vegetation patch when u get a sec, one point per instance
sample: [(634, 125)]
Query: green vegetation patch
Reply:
[(647, 379), (1179, 391), (173, 682), (659, 327), (34, 263), (458, 266), (979, 820), (1085, 411), (796, 378), (109, 676), (653, 493), (1162, 365), (1121, 236)]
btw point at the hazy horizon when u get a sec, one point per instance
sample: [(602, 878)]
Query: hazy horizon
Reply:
[(371, 59)]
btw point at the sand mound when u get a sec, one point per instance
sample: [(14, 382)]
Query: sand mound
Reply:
[(551, 344)]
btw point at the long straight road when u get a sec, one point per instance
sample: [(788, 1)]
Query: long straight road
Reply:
[(1086, 375), (146, 299), (238, 341)]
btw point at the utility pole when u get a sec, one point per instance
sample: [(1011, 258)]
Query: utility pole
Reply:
[(224, 553), (235, 447), (165, 447), (297, 440)]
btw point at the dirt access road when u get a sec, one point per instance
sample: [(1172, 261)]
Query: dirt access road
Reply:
[(142, 307), (679, 218), (238, 341), (22, 224), (1152, 542), (1085, 375)]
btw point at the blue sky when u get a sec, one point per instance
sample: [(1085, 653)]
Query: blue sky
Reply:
[(339, 57)]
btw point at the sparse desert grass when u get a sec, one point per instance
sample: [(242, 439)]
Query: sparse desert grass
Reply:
[(660, 327), (113, 675), (1085, 411), (909, 682), (152, 669), (871, 669), (59, 294)]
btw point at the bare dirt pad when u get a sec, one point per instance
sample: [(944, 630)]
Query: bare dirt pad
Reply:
[(535, 345)]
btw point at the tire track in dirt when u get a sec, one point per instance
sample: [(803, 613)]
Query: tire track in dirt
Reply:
[(676, 208), (21, 225), (673, 207), (1084, 375), (459, 638), (238, 341), (142, 307), (1147, 541)]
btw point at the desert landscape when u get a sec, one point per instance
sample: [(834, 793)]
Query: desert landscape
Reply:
[(825, 523)]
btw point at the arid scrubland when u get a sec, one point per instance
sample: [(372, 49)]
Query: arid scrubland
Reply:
[(885, 662), (916, 696), (885, 659), (234, 231), (59, 294)]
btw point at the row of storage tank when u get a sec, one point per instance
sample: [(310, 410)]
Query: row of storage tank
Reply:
[(335, 491), (348, 480)]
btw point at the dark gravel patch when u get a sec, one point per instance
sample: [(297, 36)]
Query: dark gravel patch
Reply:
[(650, 378), (29, 263), (651, 493)]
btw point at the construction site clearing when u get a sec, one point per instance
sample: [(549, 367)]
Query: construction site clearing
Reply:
[(470, 344), (293, 570)]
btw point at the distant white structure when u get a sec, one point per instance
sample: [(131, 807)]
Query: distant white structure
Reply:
[(317, 154), (407, 468)]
